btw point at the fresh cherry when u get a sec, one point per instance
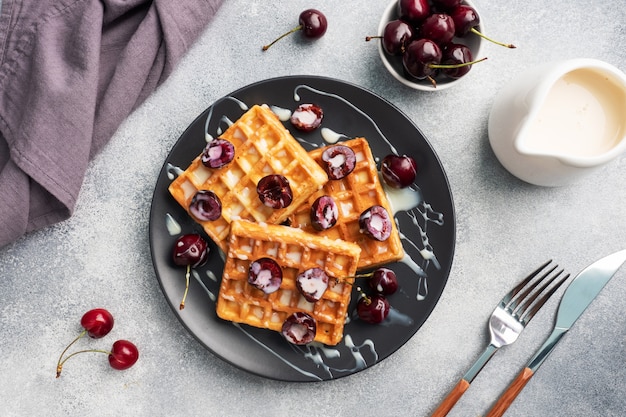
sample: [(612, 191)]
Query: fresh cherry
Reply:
[(339, 161), (299, 328), (218, 153), (384, 281), (376, 223), (413, 11), (324, 213), (466, 20), (311, 22), (396, 36), (205, 206), (419, 57), (265, 274), (190, 250), (398, 171), (312, 283), (97, 322), (307, 117), (439, 28), (274, 191), (372, 309), (123, 355)]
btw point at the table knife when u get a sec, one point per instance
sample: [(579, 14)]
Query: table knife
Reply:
[(577, 297)]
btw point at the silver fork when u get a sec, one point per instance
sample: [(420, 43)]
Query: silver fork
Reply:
[(506, 323)]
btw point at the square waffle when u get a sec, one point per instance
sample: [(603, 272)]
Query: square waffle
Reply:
[(295, 251), (263, 146), (354, 194)]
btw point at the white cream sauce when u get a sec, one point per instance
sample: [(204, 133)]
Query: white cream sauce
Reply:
[(583, 115)]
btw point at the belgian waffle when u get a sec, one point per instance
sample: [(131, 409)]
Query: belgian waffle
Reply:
[(295, 251), (263, 146), (353, 194)]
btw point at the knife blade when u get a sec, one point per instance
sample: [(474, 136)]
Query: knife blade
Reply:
[(577, 297)]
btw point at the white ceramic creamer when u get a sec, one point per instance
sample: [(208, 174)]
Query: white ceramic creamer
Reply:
[(560, 121)]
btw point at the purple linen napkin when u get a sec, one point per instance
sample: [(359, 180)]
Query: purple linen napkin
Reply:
[(70, 72)]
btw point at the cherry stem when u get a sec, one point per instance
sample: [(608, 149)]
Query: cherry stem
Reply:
[(345, 279), (452, 66), (182, 303), (61, 363), (369, 38), (506, 45), (364, 296), (297, 28)]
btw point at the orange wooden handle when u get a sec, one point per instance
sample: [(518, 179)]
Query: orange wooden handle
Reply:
[(507, 398), (454, 396)]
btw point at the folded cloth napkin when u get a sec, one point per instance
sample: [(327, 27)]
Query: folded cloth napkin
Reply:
[(70, 72)]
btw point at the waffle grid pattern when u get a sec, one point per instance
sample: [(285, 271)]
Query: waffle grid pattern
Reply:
[(354, 194), (296, 251), (263, 146)]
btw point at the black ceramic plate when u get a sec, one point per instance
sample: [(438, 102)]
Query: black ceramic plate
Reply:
[(428, 231)]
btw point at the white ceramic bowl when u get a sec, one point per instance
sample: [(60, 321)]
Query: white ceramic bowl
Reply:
[(394, 63)]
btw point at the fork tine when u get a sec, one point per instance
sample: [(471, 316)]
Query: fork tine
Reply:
[(511, 294), (517, 301), (532, 307)]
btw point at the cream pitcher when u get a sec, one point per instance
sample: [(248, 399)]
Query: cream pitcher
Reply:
[(560, 121)]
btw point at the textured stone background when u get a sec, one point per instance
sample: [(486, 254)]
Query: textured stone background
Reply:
[(100, 257)]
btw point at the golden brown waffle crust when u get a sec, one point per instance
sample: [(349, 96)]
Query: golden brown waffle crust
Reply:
[(295, 251), (263, 146), (358, 191)]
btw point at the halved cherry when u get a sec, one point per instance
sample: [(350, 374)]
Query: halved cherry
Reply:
[(376, 223), (265, 274), (299, 328), (274, 191), (339, 161), (307, 117), (312, 283)]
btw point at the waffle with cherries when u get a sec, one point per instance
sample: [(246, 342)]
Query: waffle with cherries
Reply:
[(263, 146), (354, 194), (295, 251)]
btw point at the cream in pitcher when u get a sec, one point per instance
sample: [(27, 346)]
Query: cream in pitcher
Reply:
[(560, 121)]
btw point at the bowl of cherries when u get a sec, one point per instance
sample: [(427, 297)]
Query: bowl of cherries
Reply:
[(431, 45)]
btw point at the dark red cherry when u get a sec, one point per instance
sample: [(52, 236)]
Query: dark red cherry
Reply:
[(373, 309), (217, 153), (190, 249), (311, 22), (396, 36), (97, 322), (265, 274), (384, 281), (307, 117), (324, 213), (274, 191), (312, 283), (205, 206), (376, 223), (456, 54), (339, 161), (398, 171), (124, 354), (413, 11), (439, 28), (419, 56), (299, 328)]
